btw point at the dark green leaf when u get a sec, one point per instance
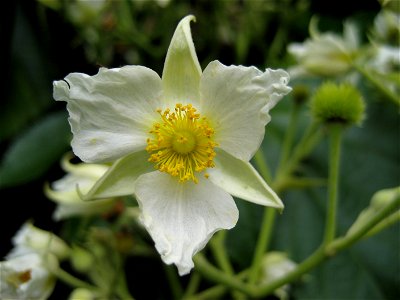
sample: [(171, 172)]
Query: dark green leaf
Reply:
[(35, 151)]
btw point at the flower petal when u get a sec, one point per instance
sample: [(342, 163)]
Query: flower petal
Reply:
[(240, 179), (182, 71), (182, 217), (120, 179), (111, 112), (30, 239), (26, 277), (237, 100)]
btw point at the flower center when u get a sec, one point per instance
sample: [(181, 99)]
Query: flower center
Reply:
[(182, 143)]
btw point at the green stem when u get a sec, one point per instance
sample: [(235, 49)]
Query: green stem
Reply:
[(322, 253), (192, 286), (307, 143), (269, 213), (348, 240), (216, 291), (263, 241), (289, 136), (316, 258), (72, 280), (174, 283), (122, 288), (213, 274), (389, 221), (378, 84), (334, 164), (262, 165), (327, 251), (218, 249)]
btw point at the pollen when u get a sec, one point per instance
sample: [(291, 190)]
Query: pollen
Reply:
[(181, 144)]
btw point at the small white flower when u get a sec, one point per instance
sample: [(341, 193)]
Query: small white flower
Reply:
[(326, 54), (386, 59), (386, 27), (182, 142), (274, 266), (30, 239), (64, 191), (25, 277)]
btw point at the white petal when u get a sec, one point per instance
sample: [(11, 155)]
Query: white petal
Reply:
[(182, 71), (120, 179), (240, 179), (182, 217), (39, 285), (111, 112), (30, 239), (237, 100)]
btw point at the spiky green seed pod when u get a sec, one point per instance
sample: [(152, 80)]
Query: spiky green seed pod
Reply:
[(338, 104)]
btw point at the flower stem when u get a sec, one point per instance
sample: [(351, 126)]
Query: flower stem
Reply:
[(192, 286), (174, 282), (378, 84), (122, 288), (283, 172), (334, 164), (218, 249), (326, 251), (72, 280), (262, 165), (389, 221), (213, 274), (307, 143), (216, 291), (263, 241), (323, 252), (289, 135), (348, 240)]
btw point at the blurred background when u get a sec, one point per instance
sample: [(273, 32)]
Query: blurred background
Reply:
[(48, 39)]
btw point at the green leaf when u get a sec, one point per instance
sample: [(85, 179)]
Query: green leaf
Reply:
[(344, 277), (28, 84), (35, 151)]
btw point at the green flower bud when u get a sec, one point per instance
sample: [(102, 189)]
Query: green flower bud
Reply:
[(379, 201), (81, 259), (83, 294), (338, 104)]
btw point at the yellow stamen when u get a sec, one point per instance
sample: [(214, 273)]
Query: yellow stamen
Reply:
[(182, 143)]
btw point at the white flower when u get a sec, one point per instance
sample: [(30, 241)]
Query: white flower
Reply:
[(25, 277), (386, 59), (386, 27), (30, 239), (326, 54), (274, 266), (64, 191), (182, 143)]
